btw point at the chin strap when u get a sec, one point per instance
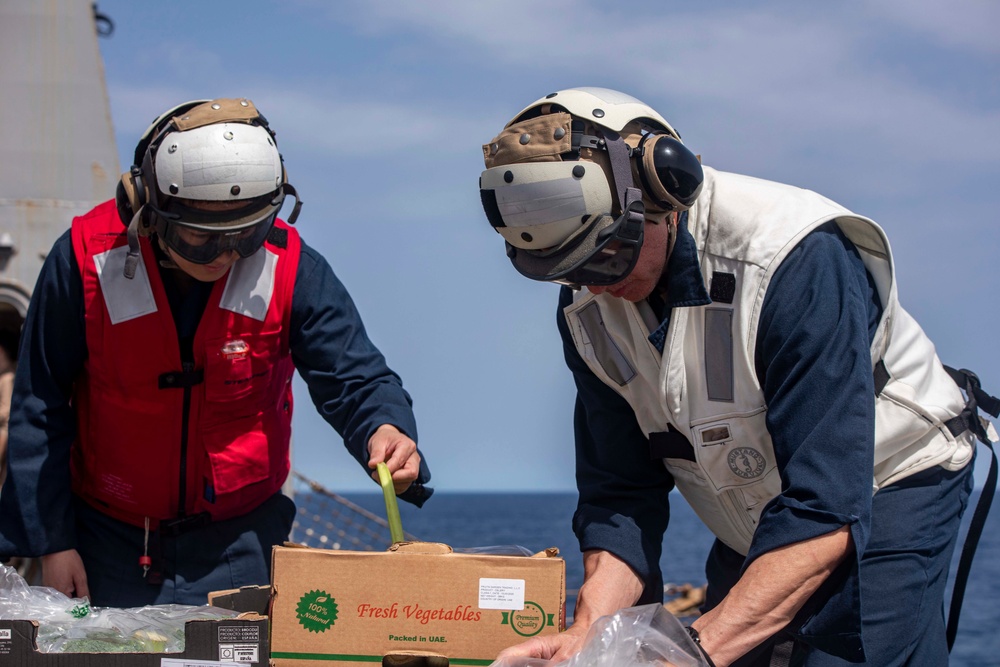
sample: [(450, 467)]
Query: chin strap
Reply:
[(629, 196), (298, 204), (134, 252)]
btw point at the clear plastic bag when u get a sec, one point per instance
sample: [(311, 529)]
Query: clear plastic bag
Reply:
[(644, 636), (71, 625)]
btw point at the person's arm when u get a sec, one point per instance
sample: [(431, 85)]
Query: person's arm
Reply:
[(769, 594), (622, 511), (6, 387), (349, 381), (37, 519), (814, 363)]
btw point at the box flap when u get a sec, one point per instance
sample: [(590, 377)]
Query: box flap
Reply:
[(249, 598), (551, 552), (420, 548)]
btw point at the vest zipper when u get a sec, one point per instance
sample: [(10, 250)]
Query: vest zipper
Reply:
[(188, 367)]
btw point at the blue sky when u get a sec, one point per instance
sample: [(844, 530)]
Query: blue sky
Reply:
[(891, 108)]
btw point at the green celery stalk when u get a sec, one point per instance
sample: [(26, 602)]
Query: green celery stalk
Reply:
[(391, 506)]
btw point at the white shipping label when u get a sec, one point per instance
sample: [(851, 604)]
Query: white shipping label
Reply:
[(181, 662), (501, 594), (242, 653)]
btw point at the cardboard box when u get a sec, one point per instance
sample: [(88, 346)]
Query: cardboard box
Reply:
[(418, 598), (242, 640), (249, 598)]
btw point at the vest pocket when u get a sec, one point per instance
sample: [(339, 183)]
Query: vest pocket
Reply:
[(238, 367), (726, 513), (238, 458), (734, 451), (743, 519)]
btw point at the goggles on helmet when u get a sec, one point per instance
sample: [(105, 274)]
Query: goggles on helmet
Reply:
[(604, 255), (200, 236), (555, 217)]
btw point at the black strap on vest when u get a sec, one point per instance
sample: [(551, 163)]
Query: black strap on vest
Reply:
[(670, 444), (181, 379), (968, 420), (881, 376)]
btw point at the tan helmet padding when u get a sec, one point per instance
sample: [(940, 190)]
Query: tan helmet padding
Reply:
[(217, 111), (541, 139), (538, 139)]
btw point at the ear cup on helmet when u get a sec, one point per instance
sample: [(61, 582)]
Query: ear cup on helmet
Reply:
[(123, 202), (130, 196), (127, 197), (670, 173)]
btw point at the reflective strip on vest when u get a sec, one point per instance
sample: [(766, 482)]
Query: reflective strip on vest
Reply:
[(125, 299), (719, 354), (607, 353), (251, 285)]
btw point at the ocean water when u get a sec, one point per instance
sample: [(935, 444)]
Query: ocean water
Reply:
[(537, 521)]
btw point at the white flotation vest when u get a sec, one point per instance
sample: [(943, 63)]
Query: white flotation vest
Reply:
[(704, 386)]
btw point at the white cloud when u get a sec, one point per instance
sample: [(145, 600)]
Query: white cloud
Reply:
[(796, 74)]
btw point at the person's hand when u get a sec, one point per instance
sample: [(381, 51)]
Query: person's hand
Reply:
[(399, 453), (557, 647), (609, 584), (64, 572)]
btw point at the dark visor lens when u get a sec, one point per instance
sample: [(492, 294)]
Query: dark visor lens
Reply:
[(613, 254), (202, 247), (609, 265)]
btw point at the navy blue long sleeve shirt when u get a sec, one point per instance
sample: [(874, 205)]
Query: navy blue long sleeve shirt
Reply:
[(813, 362), (349, 381)]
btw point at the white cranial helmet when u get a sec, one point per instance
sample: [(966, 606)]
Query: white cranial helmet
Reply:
[(209, 167), (220, 162), (571, 178), (603, 106)]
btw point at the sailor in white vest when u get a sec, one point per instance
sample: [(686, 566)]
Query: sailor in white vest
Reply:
[(741, 340)]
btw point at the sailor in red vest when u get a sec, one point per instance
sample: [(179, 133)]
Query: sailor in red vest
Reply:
[(155, 395)]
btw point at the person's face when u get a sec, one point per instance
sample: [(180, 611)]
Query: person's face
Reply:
[(219, 266), (640, 283)]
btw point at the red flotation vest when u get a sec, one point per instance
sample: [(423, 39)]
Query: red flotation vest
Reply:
[(162, 439)]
